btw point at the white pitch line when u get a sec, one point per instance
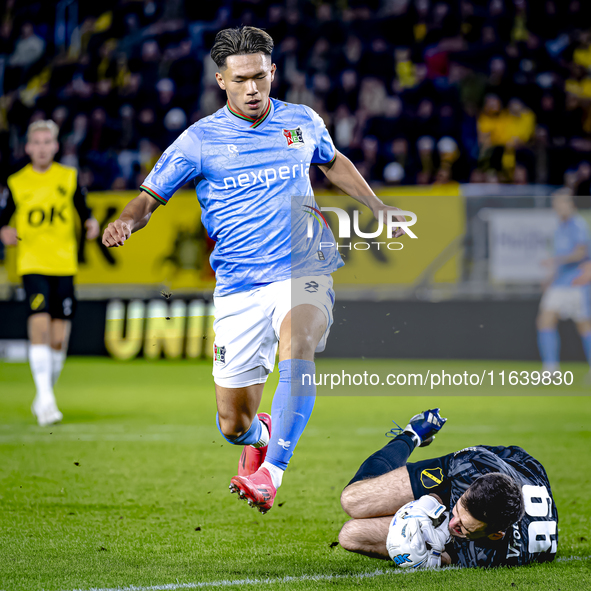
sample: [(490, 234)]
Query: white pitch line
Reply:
[(228, 583), (91, 437), (287, 579)]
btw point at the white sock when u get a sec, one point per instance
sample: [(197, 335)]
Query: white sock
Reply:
[(276, 473), (265, 436), (58, 358), (40, 361)]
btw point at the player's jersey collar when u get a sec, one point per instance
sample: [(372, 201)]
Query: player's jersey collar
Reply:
[(249, 122), (28, 169)]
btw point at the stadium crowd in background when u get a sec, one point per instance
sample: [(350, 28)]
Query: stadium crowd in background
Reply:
[(413, 91)]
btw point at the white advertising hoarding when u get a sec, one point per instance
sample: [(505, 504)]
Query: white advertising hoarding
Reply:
[(519, 240)]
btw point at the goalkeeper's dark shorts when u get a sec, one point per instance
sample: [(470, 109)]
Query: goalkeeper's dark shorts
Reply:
[(430, 476)]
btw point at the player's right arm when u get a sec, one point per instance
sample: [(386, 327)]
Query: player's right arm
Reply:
[(578, 254), (584, 276), (180, 164), (134, 217)]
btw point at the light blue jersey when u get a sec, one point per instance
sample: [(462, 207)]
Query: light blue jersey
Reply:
[(570, 234), (253, 185)]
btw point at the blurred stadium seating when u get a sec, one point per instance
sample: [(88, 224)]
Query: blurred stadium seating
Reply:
[(412, 91)]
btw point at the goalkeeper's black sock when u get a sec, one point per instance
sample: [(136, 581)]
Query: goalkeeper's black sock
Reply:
[(393, 455)]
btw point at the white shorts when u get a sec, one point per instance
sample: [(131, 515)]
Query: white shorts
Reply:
[(247, 326), (568, 301)]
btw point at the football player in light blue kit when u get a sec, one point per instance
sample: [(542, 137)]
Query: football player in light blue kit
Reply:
[(564, 299), (250, 162)]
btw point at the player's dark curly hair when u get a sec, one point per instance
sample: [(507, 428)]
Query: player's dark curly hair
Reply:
[(495, 499), (240, 41)]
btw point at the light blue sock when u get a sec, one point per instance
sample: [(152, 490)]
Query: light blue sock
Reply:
[(291, 409), (549, 346), (251, 436), (587, 346)]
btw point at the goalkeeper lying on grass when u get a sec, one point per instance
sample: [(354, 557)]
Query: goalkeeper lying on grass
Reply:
[(480, 506)]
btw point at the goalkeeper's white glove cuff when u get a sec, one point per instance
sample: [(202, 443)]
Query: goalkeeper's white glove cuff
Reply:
[(431, 507), (434, 559)]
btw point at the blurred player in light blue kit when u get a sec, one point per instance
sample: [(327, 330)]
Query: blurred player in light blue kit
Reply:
[(250, 162), (565, 298)]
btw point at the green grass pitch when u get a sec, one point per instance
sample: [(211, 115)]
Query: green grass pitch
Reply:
[(132, 488)]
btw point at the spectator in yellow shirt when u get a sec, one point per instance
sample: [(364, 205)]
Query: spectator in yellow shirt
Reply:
[(503, 134)]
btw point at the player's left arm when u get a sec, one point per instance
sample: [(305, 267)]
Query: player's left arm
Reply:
[(88, 221), (342, 173)]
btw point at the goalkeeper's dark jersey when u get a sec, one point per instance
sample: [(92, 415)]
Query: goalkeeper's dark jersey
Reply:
[(535, 537)]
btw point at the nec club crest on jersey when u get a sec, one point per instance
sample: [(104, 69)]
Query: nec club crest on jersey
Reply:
[(294, 137)]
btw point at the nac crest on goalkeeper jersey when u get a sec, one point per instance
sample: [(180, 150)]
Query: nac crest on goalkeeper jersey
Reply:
[(249, 181)]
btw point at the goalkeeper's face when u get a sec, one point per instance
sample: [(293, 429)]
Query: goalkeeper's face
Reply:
[(247, 81), (463, 525), (41, 148)]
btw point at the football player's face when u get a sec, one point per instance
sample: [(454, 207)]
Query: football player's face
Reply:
[(247, 81), (564, 207), (41, 148), (463, 525)]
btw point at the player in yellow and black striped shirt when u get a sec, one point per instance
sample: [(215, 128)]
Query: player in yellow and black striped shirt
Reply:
[(42, 199)]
